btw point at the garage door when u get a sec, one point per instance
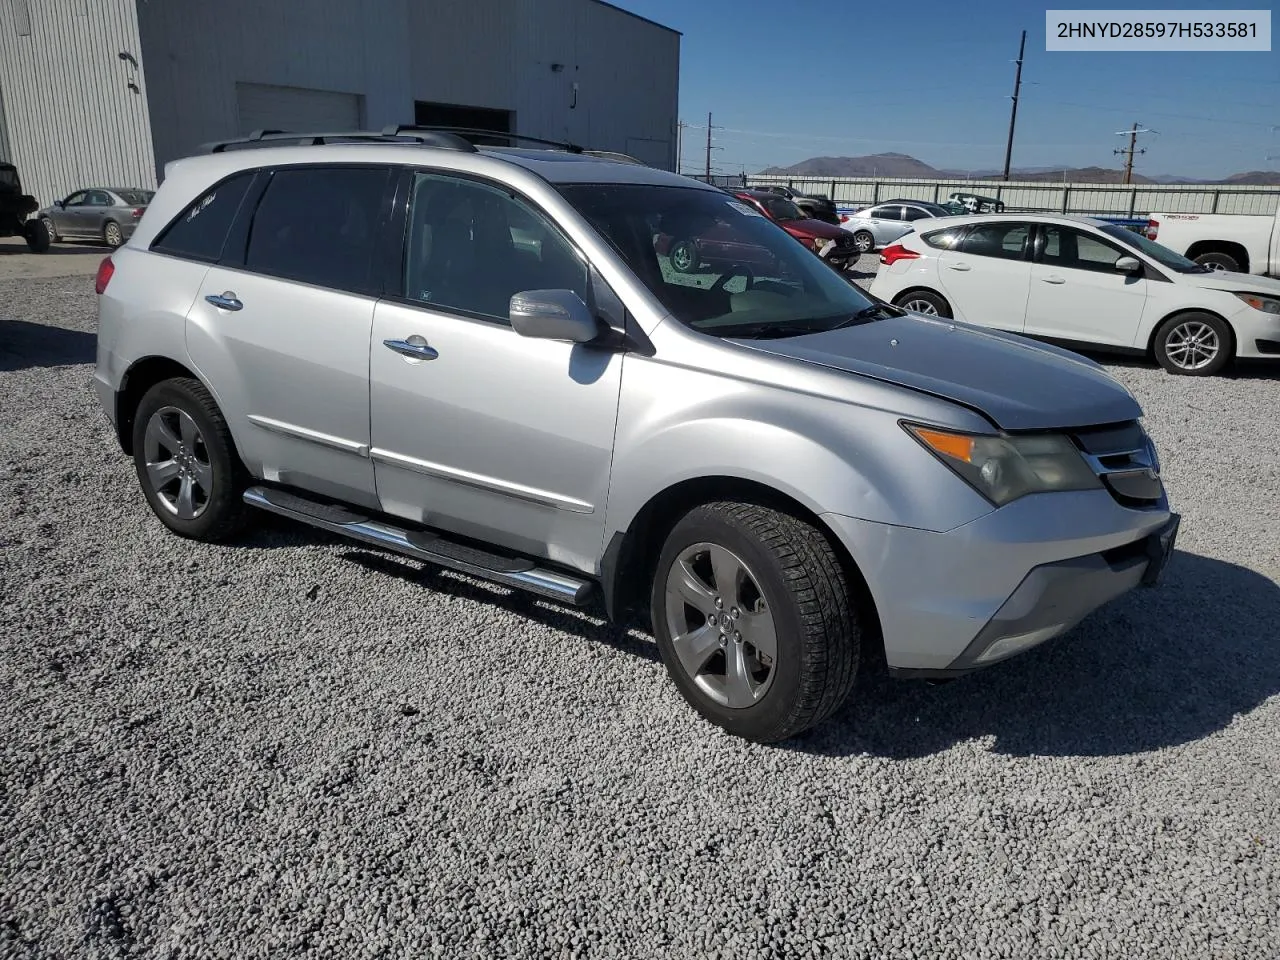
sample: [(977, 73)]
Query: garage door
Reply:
[(265, 107)]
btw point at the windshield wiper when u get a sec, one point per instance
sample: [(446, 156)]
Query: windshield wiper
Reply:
[(869, 313)]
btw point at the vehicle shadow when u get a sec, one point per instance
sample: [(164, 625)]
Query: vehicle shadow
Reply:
[(1156, 668), (24, 344), (67, 247), (1251, 369)]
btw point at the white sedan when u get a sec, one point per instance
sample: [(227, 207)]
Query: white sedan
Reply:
[(1082, 282)]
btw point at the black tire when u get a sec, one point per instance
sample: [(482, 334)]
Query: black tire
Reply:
[(36, 235), (51, 228), (917, 297), (112, 235), (1219, 261), (804, 587), (1176, 329), (684, 256), (864, 242), (224, 513)]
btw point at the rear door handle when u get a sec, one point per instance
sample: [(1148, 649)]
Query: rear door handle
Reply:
[(225, 301), (1054, 279), (959, 266), (412, 348)]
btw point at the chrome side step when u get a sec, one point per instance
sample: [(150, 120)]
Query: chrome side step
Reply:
[(516, 572)]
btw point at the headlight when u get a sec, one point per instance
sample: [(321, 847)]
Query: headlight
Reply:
[(1003, 469), (1259, 302)]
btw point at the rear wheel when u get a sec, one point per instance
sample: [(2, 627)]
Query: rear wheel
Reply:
[(112, 234), (754, 619), (684, 256), (1194, 344), (187, 463), (1219, 261), (863, 242), (36, 235), (924, 301)]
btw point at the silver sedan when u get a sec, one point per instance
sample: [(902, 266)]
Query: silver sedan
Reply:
[(879, 225), (105, 214)]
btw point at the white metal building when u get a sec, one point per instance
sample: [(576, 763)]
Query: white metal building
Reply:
[(106, 92)]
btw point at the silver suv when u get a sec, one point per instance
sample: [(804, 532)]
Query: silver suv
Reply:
[(482, 359)]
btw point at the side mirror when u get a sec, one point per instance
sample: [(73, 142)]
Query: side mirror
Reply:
[(1129, 265), (58, 204), (552, 315)]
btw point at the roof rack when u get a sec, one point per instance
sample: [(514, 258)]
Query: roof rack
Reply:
[(497, 135), (394, 134)]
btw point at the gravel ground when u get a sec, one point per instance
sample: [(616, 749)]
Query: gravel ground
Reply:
[(296, 747)]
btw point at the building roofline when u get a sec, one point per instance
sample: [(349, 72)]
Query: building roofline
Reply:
[(652, 23)]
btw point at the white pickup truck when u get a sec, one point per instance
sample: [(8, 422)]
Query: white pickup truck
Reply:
[(1221, 241)]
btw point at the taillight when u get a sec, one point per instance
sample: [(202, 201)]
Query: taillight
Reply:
[(105, 270), (1153, 228), (137, 214), (892, 254)]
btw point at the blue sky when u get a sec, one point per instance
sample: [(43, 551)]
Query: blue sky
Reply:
[(932, 78)]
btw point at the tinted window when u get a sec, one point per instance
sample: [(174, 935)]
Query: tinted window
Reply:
[(1065, 247), (943, 239), (1001, 240), (319, 225), (915, 213), (136, 197), (472, 247), (201, 230), (889, 212), (781, 208), (8, 179)]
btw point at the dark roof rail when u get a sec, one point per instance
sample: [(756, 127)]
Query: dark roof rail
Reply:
[(389, 134), (493, 134)]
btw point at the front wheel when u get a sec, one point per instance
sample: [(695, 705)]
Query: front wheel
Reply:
[(684, 256), (754, 620), (863, 242), (1194, 344), (51, 228), (187, 463)]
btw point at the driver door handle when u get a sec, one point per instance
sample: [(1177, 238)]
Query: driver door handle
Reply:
[(415, 348), (1054, 279), (225, 301)]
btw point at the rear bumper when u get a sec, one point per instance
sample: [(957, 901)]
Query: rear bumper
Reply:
[(953, 602)]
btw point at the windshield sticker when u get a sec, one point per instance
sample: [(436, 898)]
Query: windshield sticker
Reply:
[(744, 209)]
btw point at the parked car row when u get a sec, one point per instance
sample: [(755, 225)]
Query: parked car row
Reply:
[(107, 215)]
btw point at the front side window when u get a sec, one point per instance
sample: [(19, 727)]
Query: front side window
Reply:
[(1076, 250), (200, 232), (781, 208), (76, 199), (472, 246), (1157, 252), (319, 225), (1002, 241), (717, 264)]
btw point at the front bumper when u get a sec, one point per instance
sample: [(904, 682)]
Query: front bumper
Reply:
[(953, 602)]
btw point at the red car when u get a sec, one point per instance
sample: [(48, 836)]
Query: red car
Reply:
[(833, 244)]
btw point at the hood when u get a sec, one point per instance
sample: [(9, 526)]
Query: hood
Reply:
[(812, 228), (1232, 282), (1016, 383)]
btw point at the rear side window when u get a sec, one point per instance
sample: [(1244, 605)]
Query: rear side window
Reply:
[(319, 225), (943, 239), (889, 212), (201, 231), (1004, 241)]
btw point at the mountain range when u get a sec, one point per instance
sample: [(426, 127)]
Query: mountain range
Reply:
[(902, 166)]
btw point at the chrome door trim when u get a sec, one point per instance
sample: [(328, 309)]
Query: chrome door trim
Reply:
[(530, 494), (314, 436)]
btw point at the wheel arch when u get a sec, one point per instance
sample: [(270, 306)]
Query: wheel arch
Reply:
[(922, 288), (142, 375), (1183, 312), (1237, 251), (627, 567)]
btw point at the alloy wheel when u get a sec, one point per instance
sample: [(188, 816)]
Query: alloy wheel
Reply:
[(177, 463), (921, 306), (1192, 345), (721, 626), (113, 236)]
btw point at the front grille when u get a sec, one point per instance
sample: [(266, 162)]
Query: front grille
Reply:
[(1124, 459)]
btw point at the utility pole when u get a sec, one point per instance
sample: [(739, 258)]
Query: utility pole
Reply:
[(1013, 113), (1129, 151), (708, 148), (680, 146)]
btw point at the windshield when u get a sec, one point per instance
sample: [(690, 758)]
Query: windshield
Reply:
[(718, 265), (1157, 252), (8, 180)]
